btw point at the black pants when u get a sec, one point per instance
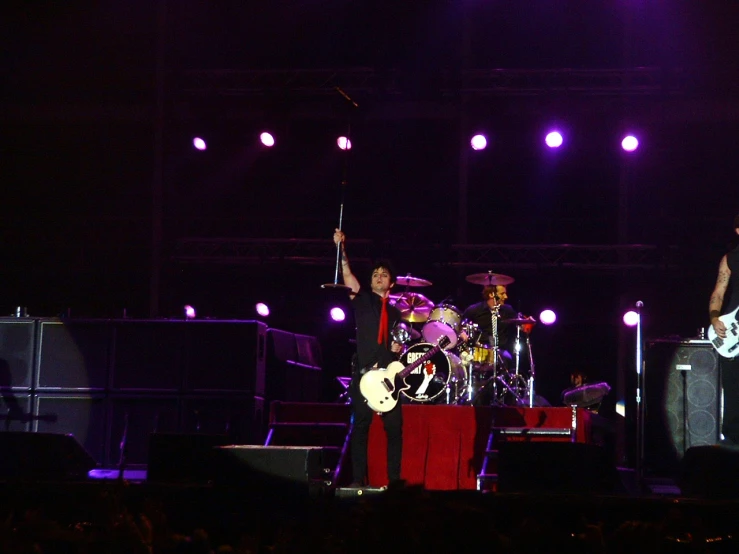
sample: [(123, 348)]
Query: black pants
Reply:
[(730, 384), (362, 415)]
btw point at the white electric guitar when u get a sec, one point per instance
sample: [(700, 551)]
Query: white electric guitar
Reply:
[(728, 347), (382, 387)]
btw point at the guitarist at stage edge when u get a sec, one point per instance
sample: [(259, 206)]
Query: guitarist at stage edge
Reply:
[(374, 317), (728, 279)]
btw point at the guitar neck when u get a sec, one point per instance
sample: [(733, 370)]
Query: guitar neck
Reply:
[(409, 369)]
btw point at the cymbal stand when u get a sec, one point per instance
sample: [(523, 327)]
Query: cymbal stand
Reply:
[(532, 372)]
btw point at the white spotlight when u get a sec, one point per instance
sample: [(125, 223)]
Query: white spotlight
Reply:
[(189, 312), (344, 143), (267, 139)]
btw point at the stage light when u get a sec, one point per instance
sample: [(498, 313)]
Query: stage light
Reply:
[(547, 317), (631, 318), (630, 143), (344, 143), (262, 309), (554, 139), (337, 314), (189, 312), (267, 139), (199, 143), (478, 142)]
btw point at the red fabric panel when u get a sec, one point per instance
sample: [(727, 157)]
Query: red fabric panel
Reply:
[(443, 446)]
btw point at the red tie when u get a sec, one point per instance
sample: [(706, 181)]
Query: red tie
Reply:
[(382, 330)]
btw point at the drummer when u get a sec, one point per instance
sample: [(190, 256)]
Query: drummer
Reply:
[(482, 313)]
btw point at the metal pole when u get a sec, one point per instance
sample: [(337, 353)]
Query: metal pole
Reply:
[(639, 469), (157, 184)]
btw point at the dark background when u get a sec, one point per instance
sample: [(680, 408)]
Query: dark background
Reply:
[(100, 102)]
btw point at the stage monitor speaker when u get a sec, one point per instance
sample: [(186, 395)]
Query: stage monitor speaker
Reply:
[(17, 346), (275, 470), (556, 467), (182, 458), (682, 390), (710, 472), (43, 457)]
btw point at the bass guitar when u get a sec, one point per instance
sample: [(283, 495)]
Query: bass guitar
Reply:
[(381, 387), (728, 347)]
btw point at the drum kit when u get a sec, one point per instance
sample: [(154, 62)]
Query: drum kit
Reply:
[(468, 371)]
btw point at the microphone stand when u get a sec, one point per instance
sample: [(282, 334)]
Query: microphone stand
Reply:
[(639, 465), (336, 285)]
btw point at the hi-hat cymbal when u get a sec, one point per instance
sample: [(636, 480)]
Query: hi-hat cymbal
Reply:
[(414, 307), (409, 281), (489, 279)]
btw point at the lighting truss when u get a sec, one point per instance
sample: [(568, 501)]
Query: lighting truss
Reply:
[(317, 252)]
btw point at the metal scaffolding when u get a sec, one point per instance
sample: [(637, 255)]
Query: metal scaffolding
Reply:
[(317, 252)]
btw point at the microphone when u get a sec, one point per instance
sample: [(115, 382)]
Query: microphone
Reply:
[(639, 304)]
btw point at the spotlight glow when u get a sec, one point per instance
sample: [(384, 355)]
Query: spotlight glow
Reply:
[(267, 139), (478, 142), (189, 312), (554, 139), (344, 143), (629, 143), (199, 143), (262, 309), (337, 314), (631, 318), (547, 317)]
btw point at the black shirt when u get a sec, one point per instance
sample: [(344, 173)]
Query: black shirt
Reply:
[(732, 260), (481, 314), (367, 309)]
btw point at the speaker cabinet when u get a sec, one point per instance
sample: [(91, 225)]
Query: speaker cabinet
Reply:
[(556, 467), (43, 457), (241, 418), (225, 356), (73, 355), (17, 345), (136, 418), (15, 411), (82, 416), (149, 355), (682, 390)]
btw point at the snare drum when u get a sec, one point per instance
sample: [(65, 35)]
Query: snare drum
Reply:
[(444, 320), (483, 354), (428, 382)]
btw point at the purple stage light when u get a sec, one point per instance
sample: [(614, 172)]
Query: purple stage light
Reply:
[(337, 314), (554, 139), (344, 143), (630, 143), (267, 139), (631, 318), (189, 312), (547, 317), (199, 143), (262, 309), (478, 142)]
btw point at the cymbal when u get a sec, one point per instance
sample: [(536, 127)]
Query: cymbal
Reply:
[(414, 307), (520, 321), (409, 281), (489, 278)]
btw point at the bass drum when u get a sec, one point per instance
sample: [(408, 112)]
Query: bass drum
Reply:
[(428, 382)]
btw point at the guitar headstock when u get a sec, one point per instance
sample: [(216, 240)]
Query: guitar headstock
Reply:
[(444, 341)]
